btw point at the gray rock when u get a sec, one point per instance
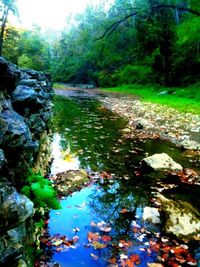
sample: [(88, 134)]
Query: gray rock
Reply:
[(10, 252), (24, 93), (192, 145), (14, 131), (141, 124), (160, 162), (28, 82), (16, 208), (10, 75)]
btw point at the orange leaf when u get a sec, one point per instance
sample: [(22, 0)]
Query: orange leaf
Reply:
[(124, 211), (129, 263), (93, 237), (135, 259)]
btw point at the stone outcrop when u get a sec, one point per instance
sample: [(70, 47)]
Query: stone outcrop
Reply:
[(25, 112), (161, 162)]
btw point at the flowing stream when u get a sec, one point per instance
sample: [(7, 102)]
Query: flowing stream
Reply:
[(102, 223)]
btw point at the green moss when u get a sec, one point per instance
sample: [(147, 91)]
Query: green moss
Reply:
[(40, 191)]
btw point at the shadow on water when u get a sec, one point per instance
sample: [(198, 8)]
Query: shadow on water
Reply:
[(89, 136)]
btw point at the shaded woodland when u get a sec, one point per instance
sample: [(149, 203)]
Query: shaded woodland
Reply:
[(131, 41)]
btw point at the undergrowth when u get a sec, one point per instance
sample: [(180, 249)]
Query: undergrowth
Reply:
[(40, 191)]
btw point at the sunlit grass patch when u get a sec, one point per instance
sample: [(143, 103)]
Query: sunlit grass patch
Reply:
[(184, 99), (59, 86)]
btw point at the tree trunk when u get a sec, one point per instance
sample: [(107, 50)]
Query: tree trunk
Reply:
[(3, 27)]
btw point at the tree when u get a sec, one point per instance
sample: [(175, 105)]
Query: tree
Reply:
[(6, 6), (34, 50)]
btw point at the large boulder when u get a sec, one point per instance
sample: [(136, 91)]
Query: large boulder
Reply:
[(10, 75), (14, 132), (24, 93), (182, 220), (14, 207), (161, 162)]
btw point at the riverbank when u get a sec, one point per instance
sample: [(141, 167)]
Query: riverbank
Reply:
[(153, 120), (156, 121)]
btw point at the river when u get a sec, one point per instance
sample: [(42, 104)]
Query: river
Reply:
[(102, 224)]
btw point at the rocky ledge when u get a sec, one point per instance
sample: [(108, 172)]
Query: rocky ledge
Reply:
[(25, 112)]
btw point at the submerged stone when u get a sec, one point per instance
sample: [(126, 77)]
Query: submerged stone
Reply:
[(160, 162), (70, 181), (152, 215)]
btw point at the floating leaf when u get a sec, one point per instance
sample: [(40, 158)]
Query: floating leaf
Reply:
[(98, 245), (93, 237), (106, 238), (135, 259)]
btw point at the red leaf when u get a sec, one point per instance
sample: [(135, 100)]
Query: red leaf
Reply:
[(106, 238), (135, 259)]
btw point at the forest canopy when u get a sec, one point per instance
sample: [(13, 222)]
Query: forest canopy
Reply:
[(134, 41)]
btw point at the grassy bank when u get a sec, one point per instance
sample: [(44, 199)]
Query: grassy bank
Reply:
[(185, 99)]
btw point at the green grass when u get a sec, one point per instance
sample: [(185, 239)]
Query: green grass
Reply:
[(59, 86), (184, 99)]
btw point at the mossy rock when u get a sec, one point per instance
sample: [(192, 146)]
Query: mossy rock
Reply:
[(70, 181), (182, 220)]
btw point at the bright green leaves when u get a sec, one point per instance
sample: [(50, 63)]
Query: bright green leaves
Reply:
[(40, 191)]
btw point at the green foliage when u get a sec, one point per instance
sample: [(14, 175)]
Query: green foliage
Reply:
[(154, 46), (40, 191), (34, 51), (135, 74)]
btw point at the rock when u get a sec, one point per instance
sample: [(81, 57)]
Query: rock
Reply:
[(14, 207), (24, 93), (160, 162), (10, 75), (141, 124), (126, 131), (71, 181), (10, 252), (152, 215), (182, 219), (14, 132), (192, 145), (28, 82), (2, 159)]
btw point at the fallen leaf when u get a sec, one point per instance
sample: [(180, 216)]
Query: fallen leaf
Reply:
[(135, 259), (129, 263), (93, 237), (98, 245), (106, 238), (124, 211)]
